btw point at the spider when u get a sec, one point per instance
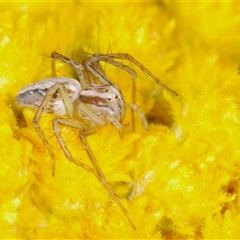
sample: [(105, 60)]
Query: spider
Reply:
[(88, 103)]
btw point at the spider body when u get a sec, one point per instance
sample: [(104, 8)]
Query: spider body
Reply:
[(95, 103), (88, 103)]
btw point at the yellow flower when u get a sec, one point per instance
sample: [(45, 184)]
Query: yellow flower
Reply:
[(178, 180)]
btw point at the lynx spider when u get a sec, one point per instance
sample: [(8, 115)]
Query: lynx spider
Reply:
[(87, 104)]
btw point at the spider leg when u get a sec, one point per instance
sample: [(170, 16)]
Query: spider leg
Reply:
[(90, 62), (69, 107), (122, 56), (74, 124), (36, 121), (116, 123), (99, 174), (77, 66), (110, 58), (96, 170), (140, 114)]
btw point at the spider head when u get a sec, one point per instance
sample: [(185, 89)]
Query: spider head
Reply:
[(98, 101)]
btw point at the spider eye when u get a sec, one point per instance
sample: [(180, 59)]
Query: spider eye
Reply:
[(109, 99), (116, 96)]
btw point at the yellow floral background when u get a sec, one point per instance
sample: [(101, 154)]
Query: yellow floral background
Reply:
[(180, 179)]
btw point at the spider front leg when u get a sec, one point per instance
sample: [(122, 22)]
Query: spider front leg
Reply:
[(110, 58), (125, 56)]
